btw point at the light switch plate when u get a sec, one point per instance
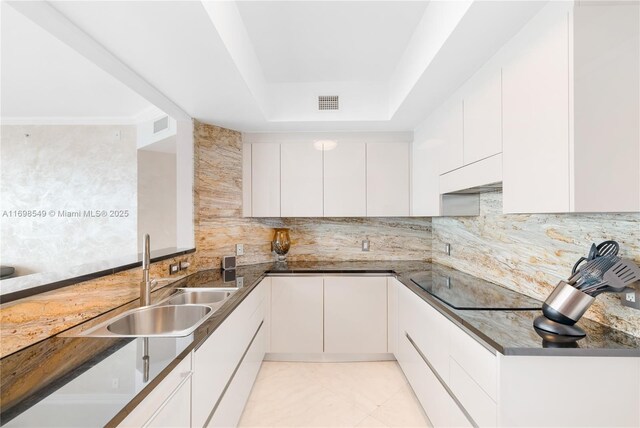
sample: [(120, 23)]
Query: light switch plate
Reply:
[(365, 245), (239, 249)]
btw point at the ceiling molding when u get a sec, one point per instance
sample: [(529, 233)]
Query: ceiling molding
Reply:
[(310, 137), (58, 25), (229, 25), (7, 121)]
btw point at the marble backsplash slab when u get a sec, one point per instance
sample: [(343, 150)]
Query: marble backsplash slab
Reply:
[(531, 253), (398, 238), (26, 321)]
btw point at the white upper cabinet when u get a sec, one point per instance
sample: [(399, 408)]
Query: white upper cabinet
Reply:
[(606, 107), (483, 114), (301, 180), (448, 131), (326, 178), (425, 194), (345, 181), (387, 179), (265, 180), (536, 115), (571, 111)]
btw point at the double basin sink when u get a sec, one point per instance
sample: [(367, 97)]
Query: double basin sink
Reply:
[(178, 315)]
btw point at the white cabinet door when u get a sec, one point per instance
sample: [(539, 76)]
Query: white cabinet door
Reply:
[(176, 411), (535, 85), (355, 315), (345, 181), (217, 358), (168, 404), (235, 397), (392, 314), (483, 114), (296, 315), (265, 180), (440, 407), (387, 179), (449, 133), (428, 328), (425, 176), (301, 180)]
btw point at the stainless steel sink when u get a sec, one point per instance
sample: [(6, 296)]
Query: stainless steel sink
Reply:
[(170, 320), (154, 321), (199, 297)]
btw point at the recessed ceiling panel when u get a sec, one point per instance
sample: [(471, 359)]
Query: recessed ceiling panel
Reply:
[(325, 41)]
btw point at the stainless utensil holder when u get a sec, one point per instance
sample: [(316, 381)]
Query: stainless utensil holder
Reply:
[(566, 304)]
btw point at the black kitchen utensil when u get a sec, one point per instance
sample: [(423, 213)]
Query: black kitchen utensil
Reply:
[(616, 278), (593, 271), (605, 248)]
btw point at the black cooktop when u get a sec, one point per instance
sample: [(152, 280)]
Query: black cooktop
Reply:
[(462, 291)]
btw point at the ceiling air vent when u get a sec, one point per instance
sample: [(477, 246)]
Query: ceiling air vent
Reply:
[(328, 102), (160, 124)]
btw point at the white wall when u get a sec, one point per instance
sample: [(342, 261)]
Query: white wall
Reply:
[(157, 198), (66, 168)]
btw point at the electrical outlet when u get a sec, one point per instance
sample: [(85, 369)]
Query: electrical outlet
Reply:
[(174, 268), (239, 249), (365, 244), (630, 298), (240, 282)]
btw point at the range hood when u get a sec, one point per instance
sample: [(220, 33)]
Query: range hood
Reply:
[(478, 177), (483, 188)]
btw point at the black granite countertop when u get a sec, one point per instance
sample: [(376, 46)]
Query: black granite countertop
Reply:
[(34, 380)]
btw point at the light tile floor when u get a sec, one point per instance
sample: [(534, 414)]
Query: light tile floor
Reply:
[(367, 394)]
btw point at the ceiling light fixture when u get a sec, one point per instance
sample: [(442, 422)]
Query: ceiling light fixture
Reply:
[(325, 145)]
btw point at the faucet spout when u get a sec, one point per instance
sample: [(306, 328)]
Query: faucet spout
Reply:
[(145, 284)]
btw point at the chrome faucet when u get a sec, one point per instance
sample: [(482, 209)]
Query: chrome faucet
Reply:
[(146, 283)]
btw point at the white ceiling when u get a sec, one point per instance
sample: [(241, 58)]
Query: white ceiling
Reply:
[(329, 41), (259, 66), (43, 79)]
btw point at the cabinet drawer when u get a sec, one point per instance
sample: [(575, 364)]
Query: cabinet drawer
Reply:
[(235, 397), (436, 401), (217, 358), (428, 329), (476, 402), (475, 359), (160, 397)]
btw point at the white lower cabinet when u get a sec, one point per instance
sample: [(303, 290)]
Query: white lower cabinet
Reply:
[(438, 404), (220, 358), (296, 315), (355, 315), (176, 412), (168, 404), (331, 318), (460, 382), (228, 412)]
